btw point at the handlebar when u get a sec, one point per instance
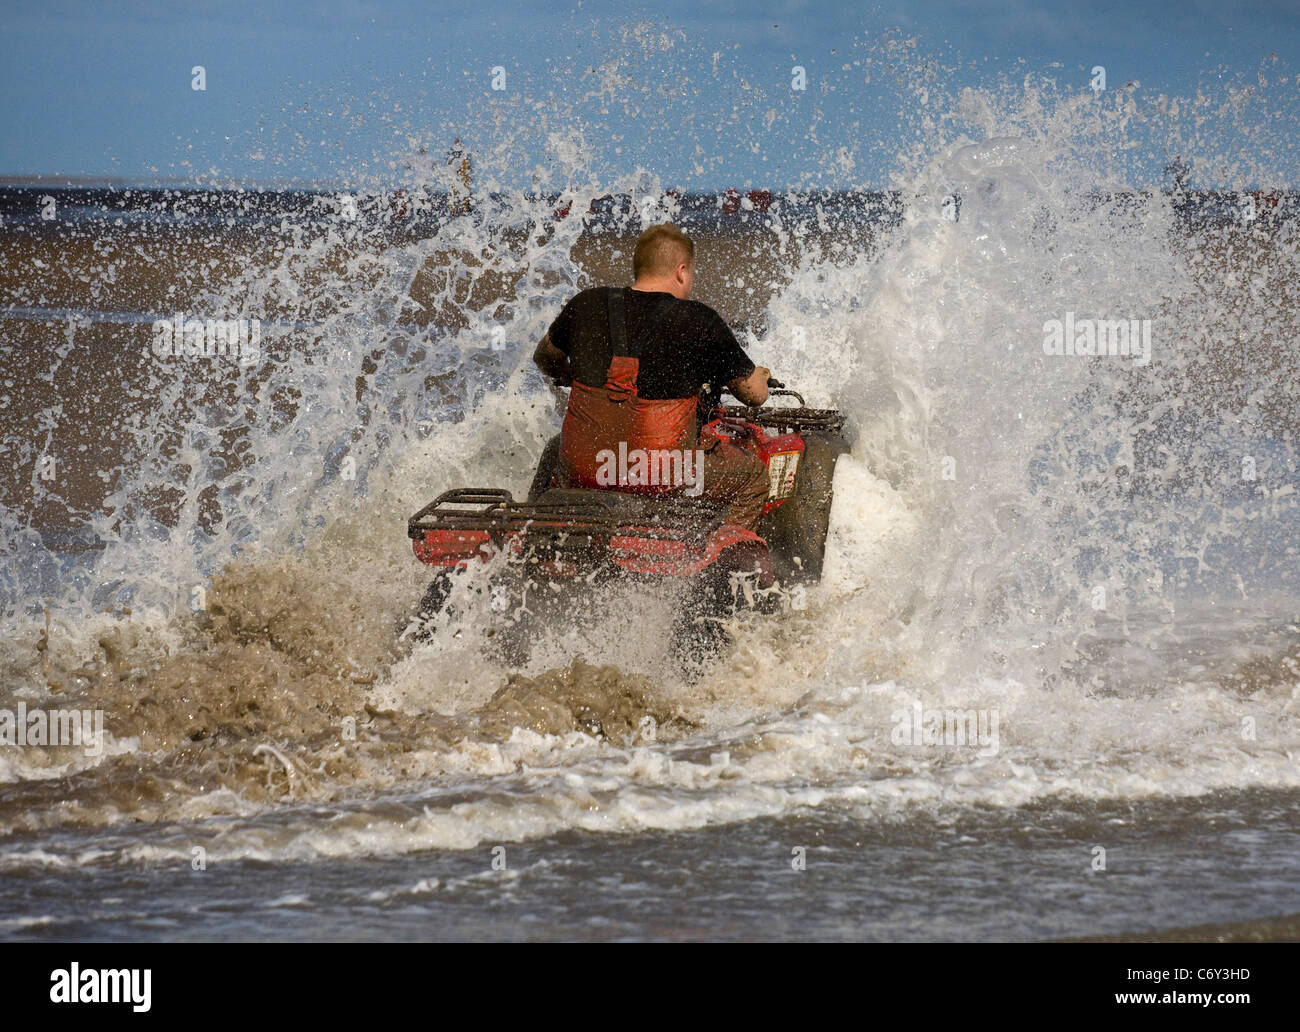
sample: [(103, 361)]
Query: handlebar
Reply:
[(773, 384), (777, 388)]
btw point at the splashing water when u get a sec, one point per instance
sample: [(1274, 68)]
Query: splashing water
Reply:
[(1066, 542)]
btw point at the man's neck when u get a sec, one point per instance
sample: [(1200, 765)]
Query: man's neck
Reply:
[(654, 287)]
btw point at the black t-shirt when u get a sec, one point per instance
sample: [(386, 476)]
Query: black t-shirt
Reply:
[(682, 345)]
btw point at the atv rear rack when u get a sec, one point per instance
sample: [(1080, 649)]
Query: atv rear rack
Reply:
[(559, 514)]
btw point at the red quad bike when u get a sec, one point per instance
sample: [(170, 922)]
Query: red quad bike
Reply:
[(562, 541)]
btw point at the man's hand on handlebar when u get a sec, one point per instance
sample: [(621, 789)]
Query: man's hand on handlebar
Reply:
[(752, 389)]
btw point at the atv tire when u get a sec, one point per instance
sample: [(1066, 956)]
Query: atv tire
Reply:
[(713, 596), (508, 638), (435, 598), (797, 530)]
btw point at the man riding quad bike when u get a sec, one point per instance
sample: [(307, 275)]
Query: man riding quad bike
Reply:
[(651, 477)]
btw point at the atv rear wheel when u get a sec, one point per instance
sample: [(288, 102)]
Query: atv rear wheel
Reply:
[(730, 585), (418, 627), (508, 635)]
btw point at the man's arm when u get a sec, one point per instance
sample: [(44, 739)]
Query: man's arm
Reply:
[(752, 389), (749, 387), (554, 362)]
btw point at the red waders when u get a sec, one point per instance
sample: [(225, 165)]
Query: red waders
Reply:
[(600, 419)]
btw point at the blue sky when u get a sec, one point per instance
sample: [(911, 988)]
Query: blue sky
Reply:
[(698, 91)]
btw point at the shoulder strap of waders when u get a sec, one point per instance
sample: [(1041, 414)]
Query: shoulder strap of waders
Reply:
[(621, 347)]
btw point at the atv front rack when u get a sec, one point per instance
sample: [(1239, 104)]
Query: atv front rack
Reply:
[(789, 420)]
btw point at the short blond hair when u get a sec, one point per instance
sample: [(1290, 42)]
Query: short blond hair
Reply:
[(660, 249)]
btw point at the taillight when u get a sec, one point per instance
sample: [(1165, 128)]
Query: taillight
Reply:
[(448, 547)]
